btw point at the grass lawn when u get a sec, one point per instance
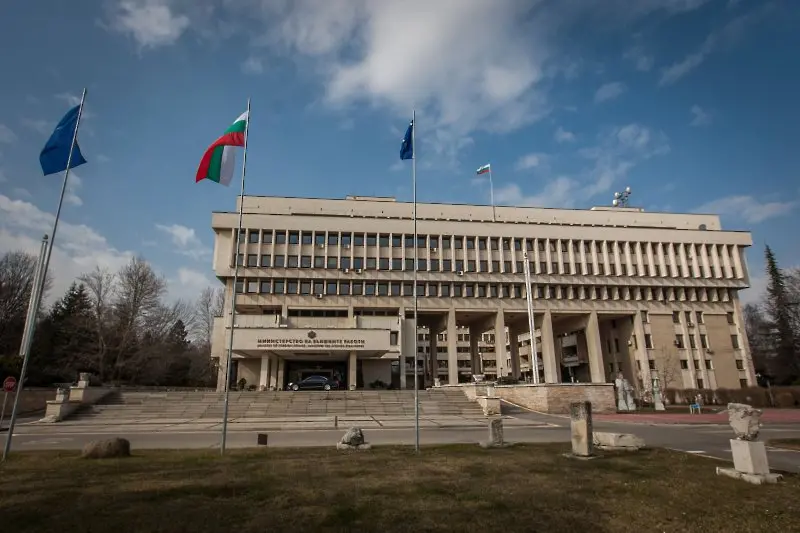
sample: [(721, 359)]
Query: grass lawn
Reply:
[(789, 444), (451, 488)]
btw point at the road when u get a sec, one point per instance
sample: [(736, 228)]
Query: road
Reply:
[(708, 440)]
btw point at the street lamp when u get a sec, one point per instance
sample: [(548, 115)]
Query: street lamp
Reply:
[(621, 198)]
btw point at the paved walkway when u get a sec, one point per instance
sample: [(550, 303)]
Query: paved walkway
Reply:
[(770, 416)]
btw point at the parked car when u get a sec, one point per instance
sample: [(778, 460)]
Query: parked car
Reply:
[(315, 383)]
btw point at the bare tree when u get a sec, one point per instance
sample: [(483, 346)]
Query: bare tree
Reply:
[(209, 305), (138, 302), (101, 285), (17, 271)]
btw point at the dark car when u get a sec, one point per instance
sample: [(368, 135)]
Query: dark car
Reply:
[(315, 383)]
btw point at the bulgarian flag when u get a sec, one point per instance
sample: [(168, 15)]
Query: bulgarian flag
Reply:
[(485, 169), (218, 161)]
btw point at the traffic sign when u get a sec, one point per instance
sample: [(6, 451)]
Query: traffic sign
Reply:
[(9, 384)]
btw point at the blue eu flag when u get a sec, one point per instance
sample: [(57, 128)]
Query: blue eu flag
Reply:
[(55, 153), (407, 148)]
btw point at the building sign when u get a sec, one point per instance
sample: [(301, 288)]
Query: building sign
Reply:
[(311, 341)]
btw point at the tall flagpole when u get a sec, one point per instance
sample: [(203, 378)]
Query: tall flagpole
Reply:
[(529, 296), (491, 193), (223, 442), (416, 266), (39, 283)]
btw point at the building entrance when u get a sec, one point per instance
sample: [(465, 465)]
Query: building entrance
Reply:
[(299, 370)]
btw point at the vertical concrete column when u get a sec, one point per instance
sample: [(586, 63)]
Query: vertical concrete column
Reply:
[(352, 367), (662, 261), (513, 342), (704, 258), (595, 348), (737, 262), (433, 355), (263, 377), (639, 261), (536, 257), (595, 264), (551, 370), (651, 258), (641, 349), (474, 355), (500, 342), (452, 348), (272, 381), (281, 371), (571, 248), (746, 354), (683, 261), (726, 261)]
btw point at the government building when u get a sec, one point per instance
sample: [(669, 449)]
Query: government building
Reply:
[(326, 288)]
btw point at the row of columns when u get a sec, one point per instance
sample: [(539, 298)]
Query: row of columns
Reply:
[(542, 321)]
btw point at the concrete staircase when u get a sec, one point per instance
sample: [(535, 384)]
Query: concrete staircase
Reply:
[(158, 407)]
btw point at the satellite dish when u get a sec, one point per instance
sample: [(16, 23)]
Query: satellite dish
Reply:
[(628, 190), (617, 195), (615, 203)]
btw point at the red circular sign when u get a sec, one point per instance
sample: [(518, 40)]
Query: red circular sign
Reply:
[(9, 383)]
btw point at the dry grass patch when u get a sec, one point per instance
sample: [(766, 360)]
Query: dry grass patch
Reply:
[(451, 488), (788, 444)]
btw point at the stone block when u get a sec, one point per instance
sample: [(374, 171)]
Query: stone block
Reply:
[(749, 457), (490, 406), (755, 479), (617, 441), (745, 421), (581, 429), (496, 439), (353, 439), (107, 449)]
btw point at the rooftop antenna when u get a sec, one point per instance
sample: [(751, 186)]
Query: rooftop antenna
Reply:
[(621, 198)]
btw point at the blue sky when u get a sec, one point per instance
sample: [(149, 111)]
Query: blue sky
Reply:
[(692, 103)]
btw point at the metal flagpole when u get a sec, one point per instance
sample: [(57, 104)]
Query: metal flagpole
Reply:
[(233, 292), (27, 337), (416, 265), (39, 285), (491, 193), (534, 357)]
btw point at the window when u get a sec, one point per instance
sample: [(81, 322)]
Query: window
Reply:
[(278, 286), (330, 287), (344, 288), (703, 340), (397, 241), (447, 265), (471, 265), (676, 317), (645, 317), (735, 341), (743, 383), (651, 364), (699, 315), (397, 264), (319, 239), (252, 238), (696, 364), (252, 286), (383, 241), (294, 237), (333, 239), (616, 345), (506, 266), (305, 287), (434, 266), (409, 264), (372, 239), (383, 289), (679, 341), (393, 336), (709, 365), (445, 290), (470, 243), (699, 383), (346, 240), (506, 244), (291, 287), (307, 237), (292, 261), (688, 315), (484, 265), (319, 287), (332, 262), (458, 290), (494, 243), (422, 241), (345, 262), (252, 260), (422, 265), (280, 237), (358, 263), (358, 288), (684, 364), (407, 289), (266, 236), (458, 242), (371, 263), (239, 286), (739, 364), (730, 318), (383, 263), (692, 341), (265, 286), (358, 239), (266, 260), (518, 244), (240, 259), (305, 261), (482, 243)]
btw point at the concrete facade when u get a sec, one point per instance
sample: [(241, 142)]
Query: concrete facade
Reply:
[(325, 286)]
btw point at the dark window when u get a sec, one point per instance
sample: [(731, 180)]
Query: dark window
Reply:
[(307, 237), (252, 260), (332, 262), (434, 265), (648, 341), (371, 263), (409, 264), (458, 242), (358, 288), (305, 287), (384, 241), (445, 289), (344, 288), (280, 237), (333, 239), (372, 239), (358, 239), (278, 286), (735, 341), (345, 263), (397, 241), (252, 238), (346, 239), (292, 261), (482, 243), (305, 261), (447, 265), (294, 237), (266, 236), (739, 364), (393, 338), (266, 286), (331, 287), (383, 264), (397, 264), (266, 260), (358, 262)]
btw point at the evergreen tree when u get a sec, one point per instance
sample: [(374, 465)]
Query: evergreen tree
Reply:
[(780, 313)]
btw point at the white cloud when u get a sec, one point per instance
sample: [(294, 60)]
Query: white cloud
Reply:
[(185, 240), (641, 60), (71, 194), (609, 91), (253, 65), (151, 23), (78, 248), (6, 135), (188, 283), (747, 208), (560, 192), (726, 36), (700, 117), (71, 99), (563, 136), (529, 161), (38, 125)]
